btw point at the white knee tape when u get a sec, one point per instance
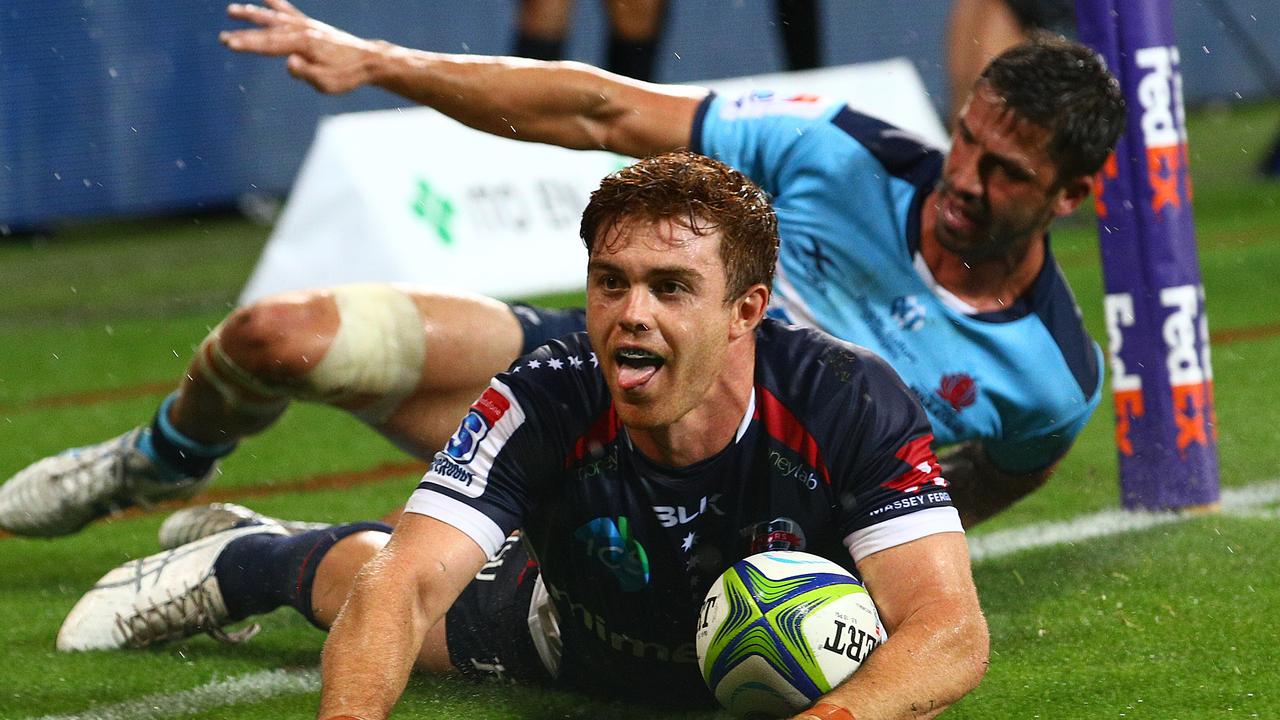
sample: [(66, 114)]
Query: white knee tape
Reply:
[(378, 351)]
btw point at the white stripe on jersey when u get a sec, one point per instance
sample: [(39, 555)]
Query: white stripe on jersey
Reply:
[(901, 530), (473, 523)]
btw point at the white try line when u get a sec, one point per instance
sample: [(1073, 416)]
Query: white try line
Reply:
[(1249, 500), (1246, 500), (253, 687)]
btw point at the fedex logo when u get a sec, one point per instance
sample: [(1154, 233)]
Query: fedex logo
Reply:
[(1163, 127), (1188, 365), (1126, 387)]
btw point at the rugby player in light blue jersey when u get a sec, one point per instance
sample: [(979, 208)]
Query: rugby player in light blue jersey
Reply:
[(939, 263)]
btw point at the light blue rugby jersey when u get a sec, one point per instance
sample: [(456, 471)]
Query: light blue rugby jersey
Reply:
[(848, 190)]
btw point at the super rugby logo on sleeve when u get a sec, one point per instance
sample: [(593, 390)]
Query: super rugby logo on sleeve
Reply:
[(468, 456)]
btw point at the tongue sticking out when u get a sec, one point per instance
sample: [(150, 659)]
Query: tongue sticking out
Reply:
[(630, 377)]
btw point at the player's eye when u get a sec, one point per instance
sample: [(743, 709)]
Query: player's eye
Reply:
[(669, 287)]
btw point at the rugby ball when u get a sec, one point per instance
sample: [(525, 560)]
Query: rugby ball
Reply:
[(781, 628)]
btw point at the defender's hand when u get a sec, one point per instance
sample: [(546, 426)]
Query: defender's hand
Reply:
[(331, 60)]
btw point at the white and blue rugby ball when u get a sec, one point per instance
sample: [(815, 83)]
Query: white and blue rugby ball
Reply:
[(781, 628)]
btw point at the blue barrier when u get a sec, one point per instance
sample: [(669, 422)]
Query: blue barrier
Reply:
[(126, 108)]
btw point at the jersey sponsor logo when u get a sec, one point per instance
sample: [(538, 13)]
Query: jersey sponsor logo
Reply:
[(484, 414), (958, 389), (598, 625), (790, 468), (446, 467), (925, 469), (612, 544), (764, 103), (921, 501), (673, 515), (908, 312)]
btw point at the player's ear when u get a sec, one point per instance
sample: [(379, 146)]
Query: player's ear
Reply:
[(1071, 194), (749, 310)]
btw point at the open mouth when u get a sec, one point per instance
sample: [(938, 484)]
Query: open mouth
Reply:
[(636, 367)]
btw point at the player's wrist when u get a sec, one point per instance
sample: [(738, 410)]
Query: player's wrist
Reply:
[(826, 711)]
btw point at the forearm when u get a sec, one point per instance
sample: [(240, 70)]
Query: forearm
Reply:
[(924, 667), (978, 488), (371, 646), (560, 103)]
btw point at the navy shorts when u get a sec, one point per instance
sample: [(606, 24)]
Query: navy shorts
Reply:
[(542, 325), (487, 628)]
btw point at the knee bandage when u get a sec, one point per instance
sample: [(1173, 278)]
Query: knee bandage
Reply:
[(377, 352)]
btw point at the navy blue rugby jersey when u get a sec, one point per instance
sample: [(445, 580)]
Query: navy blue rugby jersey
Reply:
[(832, 456)]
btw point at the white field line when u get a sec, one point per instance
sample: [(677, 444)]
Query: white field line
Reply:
[(253, 687), (1247, 500), (1250, 500)]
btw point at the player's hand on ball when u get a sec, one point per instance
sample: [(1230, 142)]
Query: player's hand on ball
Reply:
[(331, 60)]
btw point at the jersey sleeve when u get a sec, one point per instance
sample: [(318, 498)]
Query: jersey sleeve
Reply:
[(758, 133), (892, 490), (1037, 449), (491, 470)]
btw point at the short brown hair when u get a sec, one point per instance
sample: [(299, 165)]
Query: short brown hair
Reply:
[(703, 195), (1065, 87)]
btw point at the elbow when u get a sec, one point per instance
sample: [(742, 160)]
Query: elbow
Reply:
[(973, 652)]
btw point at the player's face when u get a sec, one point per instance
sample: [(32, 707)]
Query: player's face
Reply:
[(999, 187), (657, 318)]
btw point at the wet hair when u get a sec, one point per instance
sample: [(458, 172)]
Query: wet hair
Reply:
[(698, 193), (1064, 87)]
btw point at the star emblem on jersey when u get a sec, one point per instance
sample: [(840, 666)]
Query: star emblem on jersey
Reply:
[(534, 364), (555, 363), (575, 362), (689, 541)]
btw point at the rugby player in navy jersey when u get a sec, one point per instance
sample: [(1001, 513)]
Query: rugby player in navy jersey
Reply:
[(680, 433), (941, 265)]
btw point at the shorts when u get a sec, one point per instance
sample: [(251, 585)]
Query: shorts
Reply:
[(502, 626), (1055, 15), (542, 325)]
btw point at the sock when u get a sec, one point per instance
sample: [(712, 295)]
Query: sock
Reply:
[(633, 58), (259, 573), (176, 456), (537, 48)]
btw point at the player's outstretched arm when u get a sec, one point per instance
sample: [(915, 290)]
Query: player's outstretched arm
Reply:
[(561, 103), (398, 595), (938, 642)]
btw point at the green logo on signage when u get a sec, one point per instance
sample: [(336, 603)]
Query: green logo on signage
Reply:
[(435, 210)]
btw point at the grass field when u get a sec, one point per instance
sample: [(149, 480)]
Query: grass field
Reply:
[(1175, 621)]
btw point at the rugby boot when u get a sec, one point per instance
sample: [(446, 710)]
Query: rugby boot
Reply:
[(168, 596), (191, 524), (59, 495)]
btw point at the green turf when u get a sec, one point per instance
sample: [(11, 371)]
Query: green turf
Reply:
[(1174, 622)]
